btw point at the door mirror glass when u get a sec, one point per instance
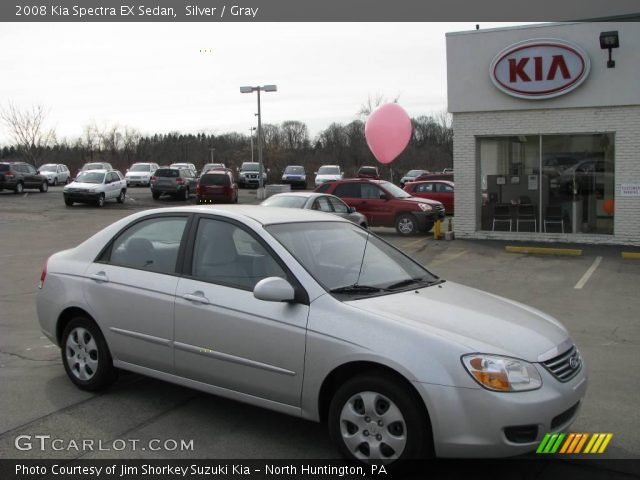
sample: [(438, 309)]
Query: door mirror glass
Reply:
[(274, 289)]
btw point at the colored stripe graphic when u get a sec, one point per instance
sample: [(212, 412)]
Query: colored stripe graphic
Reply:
[(543, 443), (573, 443), (567, 443)]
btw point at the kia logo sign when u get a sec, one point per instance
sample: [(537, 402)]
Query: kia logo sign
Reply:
[(539, 69)]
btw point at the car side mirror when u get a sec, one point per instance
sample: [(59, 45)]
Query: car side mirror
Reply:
[(384, 196), (274, 289), (351, 209)]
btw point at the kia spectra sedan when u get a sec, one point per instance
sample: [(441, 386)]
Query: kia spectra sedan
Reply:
[(307, 314)]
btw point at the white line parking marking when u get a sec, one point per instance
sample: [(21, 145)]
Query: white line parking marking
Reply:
[(585, 278)]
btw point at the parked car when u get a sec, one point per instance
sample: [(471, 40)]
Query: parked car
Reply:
[(368, 172), (307, 314), (185, 165), (179, 182), (386, 205), (217, 186), (56, 173), (140, 173), (440, 190), (411, 176), (96, 186), (317, 201), (17, 176), (212, 166), (434, 176), (249, 175), (328, 173), (95, 166), (295, 175)]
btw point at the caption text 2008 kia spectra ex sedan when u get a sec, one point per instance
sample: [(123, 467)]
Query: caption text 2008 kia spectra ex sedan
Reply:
[(306, 313)]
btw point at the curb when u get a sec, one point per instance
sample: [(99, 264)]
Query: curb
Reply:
[(635, 255), (545, 250)]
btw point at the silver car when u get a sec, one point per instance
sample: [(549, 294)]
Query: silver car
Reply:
[(308, 314), (317, 201)]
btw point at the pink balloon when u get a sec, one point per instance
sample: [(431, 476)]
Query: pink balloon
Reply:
[(388, 130)]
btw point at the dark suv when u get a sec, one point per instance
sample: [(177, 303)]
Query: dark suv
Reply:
[(179, 182), (386, 205), (17, 176)]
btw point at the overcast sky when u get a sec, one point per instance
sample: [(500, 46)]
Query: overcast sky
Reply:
[(185, 77)]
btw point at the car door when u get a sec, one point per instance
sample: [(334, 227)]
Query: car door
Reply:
[(226, 337), (31, 177), (380, 212), (445, 195), (131, 290)]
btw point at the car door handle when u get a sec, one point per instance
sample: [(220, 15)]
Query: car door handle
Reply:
[(100, 277), (197, 297)]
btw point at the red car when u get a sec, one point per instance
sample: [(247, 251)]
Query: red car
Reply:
[(217, 186), (386, 205), (440, 190)]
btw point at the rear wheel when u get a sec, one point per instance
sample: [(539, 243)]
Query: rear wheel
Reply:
[(406, 224), (185, 194), (376, 419), (44, 186), (55, 182), (155, 195), (122, 196), (85, 355), (100, 202), (19, 188)]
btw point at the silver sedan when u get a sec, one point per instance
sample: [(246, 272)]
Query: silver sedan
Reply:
[(310, 315), (321, 202)]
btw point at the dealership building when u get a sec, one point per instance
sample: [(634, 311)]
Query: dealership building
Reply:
[(546, 122)]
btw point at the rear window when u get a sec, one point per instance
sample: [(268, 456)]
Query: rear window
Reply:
[(370, 170), (285, 201), (5, 168), (214, 179), (93, 166), (167, 172)]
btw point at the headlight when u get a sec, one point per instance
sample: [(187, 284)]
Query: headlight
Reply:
[(425, 207), (92, 190), (303, 177), (284, 177), (502, 374)]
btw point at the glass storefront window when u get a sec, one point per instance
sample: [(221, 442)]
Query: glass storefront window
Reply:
[(549, 183)]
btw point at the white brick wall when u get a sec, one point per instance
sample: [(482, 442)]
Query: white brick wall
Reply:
[(623, 121)]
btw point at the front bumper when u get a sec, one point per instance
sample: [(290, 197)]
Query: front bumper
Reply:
[(295, 182), (82, 197), (137, 181), (471, 422)]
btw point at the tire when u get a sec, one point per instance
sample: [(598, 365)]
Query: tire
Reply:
[(85, 355), (19, 188), (68, 180), (122, 196), (406, 224), (100, 202), (68, 202), (373, 418), (44, 186), (185, 195), (155, 195)]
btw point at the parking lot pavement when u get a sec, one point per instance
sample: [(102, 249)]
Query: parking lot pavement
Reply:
[(37, 398)]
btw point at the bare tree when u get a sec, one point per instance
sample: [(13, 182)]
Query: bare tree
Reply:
[(295, 134), (27, 130), (372, 103)]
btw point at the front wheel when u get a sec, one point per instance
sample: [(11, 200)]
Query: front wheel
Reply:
[(68, 202), (406, 224), (85, 355), (376, 419), (185, 195), (155, 195), (44, 186), (55, 182), (101, 200), (122, 196)]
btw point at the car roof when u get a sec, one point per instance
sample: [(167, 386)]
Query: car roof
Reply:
[(434, 180)]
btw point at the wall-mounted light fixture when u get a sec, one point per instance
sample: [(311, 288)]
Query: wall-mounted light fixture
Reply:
[(609, 40)]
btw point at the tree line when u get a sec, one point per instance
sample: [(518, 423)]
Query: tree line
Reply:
[(288, 143)]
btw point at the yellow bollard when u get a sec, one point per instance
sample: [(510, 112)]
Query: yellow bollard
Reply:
[(436, 230)]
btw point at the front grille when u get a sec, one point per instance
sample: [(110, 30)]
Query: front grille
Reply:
[(522, 433), (564, 417), (566, 365)]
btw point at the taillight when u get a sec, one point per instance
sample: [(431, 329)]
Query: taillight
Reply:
[(180, 180), (43, 275), (9, 174), (198, 188), (154, 178)]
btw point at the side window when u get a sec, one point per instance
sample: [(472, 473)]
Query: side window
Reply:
[(425, 187), (322, 204), (443, 187), (150, 245), (348, 190), (338, 206), (113, 177), (370, 191), (224, 253)]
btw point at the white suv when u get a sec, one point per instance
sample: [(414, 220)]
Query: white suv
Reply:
[(96, 186), (140, 174), (326, 173)]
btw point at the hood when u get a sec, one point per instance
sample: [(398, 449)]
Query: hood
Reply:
[(420, 200), (82, 186), (481, 321)]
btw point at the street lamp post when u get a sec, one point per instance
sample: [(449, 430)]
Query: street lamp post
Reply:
[(251, 130), (264, 88)]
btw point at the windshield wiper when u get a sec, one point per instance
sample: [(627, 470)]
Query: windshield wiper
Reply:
[(358, 289), (413, 281)]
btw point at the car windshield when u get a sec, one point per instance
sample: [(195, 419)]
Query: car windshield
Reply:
[(48, 168), (393, 190), (93, 166), (213, 166), (329, 171), (90, 177), (140, 168), (294, 170), (179, 165), (250, 167), (286, 201), (215, 179), (347, 260)]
